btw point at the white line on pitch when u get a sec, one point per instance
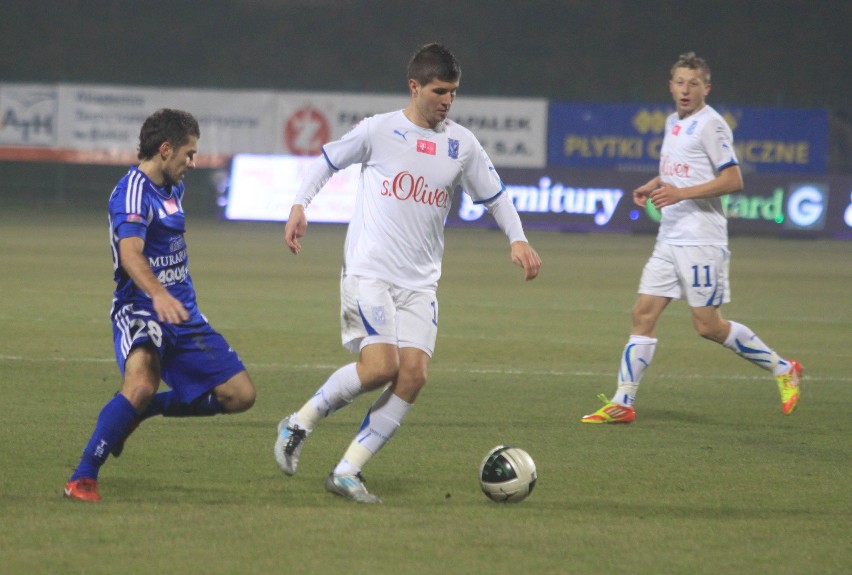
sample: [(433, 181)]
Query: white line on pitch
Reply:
[(439, 369)]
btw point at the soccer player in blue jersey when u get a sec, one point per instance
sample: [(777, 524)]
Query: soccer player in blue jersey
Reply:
[(158, 331)]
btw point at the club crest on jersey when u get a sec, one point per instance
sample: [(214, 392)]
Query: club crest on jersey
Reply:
[(676, 129), (453, 150), (426, 147)]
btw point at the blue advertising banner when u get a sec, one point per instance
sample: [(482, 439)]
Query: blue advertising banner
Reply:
[(628, 137), (601, 201)]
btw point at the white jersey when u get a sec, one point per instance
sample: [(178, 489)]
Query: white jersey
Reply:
[(409, 176), (695, 149)]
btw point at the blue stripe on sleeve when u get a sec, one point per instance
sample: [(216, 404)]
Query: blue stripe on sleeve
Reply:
[(494, 197)]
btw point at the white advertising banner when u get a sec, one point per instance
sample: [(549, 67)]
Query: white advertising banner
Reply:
[(513, 131), (109, 117), (307, 120), (100, 123)]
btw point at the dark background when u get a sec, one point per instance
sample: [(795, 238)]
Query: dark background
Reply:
[(792, 53), (762, 52)]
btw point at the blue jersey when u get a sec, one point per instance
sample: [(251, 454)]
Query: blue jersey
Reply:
[(139, 208)]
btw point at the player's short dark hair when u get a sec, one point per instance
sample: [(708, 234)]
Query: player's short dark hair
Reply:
[(433, 61), (166, 125), (693, 62)]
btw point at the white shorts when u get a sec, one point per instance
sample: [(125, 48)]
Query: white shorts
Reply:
[(375, 311), (698, 274)]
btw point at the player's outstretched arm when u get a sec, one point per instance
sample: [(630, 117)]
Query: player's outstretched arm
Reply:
[(295, 228), (525, 256)]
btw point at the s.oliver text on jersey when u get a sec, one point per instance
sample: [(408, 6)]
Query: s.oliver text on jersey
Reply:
[(406, 186), (670, 168)]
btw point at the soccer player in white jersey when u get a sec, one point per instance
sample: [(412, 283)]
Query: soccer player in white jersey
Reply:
[(690, 261), (158, 330), (413, 162)]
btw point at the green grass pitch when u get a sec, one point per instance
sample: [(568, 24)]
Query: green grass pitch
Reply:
[(712, 478)]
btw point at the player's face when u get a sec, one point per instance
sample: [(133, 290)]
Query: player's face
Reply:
[(432, 102), (179, 160), (688, 90)]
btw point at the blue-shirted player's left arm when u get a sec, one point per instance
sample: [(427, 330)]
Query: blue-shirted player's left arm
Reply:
[(168, 308)]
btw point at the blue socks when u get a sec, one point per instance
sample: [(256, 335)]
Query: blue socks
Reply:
[(112, 425), (118, 415), (167, 404)]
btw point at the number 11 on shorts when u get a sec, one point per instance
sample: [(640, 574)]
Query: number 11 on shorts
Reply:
[(696, 273)]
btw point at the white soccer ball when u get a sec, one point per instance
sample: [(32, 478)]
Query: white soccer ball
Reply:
[(507, 474)]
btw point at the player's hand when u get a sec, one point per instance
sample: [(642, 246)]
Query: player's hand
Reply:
[(169, 309), (665, 195), (525, 256), (640, 197), (295, 228), (640, 194)]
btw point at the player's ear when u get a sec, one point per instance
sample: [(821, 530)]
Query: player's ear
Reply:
[(165, 149), (413, 86)]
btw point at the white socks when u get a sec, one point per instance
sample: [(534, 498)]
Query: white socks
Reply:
[(742, 341), (341, 388), (635, 358), (639, 352), (383, 418), (381, 422)]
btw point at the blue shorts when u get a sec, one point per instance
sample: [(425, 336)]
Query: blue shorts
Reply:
[(194, 357)]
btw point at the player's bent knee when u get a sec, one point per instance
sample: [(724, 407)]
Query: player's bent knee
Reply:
[(238, 394), (139, 396), (241, 404), (414, 379), (377, 372), (245, 400)]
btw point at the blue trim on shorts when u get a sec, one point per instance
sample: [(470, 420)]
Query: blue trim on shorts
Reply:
[(370, 329)]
